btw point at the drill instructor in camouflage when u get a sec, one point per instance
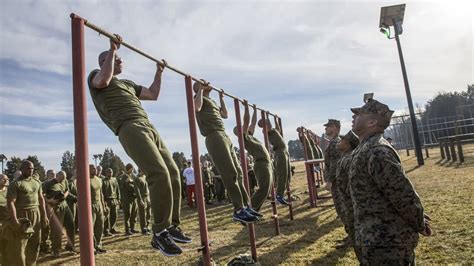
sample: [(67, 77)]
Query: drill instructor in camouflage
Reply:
[(331, 155), (118, 103), (111, 192), (388, 213), (25, 202), (342, 199)]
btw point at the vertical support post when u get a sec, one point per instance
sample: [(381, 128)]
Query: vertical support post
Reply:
[(206, 254), (81, 140), (446, 148), (458, 141), (308, 171), (288, 188), (440, 143), (267, 145), (415, 136), (243, 162), (453, 149), (427, 152)]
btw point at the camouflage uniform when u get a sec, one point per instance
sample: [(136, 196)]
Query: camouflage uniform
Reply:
[(388, 214), (331, 156), (344, 208)]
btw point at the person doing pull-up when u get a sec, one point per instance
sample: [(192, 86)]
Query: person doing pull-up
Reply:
[(262, 164), (209, 118), (118, 103), (281, 157)]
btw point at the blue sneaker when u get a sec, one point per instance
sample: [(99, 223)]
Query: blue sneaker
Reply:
[(253, 212), (244, 217), (282, 200)]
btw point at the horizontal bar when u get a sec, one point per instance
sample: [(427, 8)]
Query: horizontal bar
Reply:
[(314, 161), (135, 49)]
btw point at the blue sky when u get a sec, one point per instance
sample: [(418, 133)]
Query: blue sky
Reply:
[(304, 60)]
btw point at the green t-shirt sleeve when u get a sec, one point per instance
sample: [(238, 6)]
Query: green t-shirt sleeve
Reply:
[(12, 191), (91, 76), (137, 88)]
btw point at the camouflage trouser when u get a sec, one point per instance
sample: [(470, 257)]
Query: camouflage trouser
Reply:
[(387, 255), (338, 204)]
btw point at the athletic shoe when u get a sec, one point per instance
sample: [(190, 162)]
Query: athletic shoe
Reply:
[(244, 216), (128, 233), (100, 251), (145, 232), (113, 231), (134, 231), (178, 235), (253, 212), (282, 200), (107, 233), (165, 244)]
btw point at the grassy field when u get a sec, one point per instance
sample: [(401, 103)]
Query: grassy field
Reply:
[(446, 190)]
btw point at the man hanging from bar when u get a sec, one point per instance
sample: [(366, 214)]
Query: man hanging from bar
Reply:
[(262, 165), (281, 159), (209, 118), (118, 103)]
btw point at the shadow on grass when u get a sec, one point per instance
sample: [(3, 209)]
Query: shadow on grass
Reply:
[(266, 234), (332, 257), (311, 236), (413, 169)]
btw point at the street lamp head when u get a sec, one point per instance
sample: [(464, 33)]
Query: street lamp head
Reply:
[(386, 32), (390, 13)]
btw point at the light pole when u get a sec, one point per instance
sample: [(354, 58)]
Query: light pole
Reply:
[(393, 16), (3, 158)]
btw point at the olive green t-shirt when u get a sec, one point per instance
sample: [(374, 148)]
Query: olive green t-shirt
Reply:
[(141, 187), (4, 215), (110, 188), (209, 117), (52, 186), (276, 140), (256, 148), (25, 190), (117, 103), (96, 190)]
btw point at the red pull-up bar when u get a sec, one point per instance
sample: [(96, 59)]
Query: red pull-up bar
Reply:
[(243, 161), (133, 48), (267, 145)]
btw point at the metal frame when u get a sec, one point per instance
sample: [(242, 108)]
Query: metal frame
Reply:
[(81, 145)]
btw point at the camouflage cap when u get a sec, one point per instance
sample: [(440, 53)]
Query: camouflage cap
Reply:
[(376, 108), (333, 122), (352, 139), (373, 107)]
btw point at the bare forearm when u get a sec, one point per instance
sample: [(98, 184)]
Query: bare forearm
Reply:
[(155, 87), (246, 119), (12, 211), (106, 73), (198, 101), (42, 206), (224, 113), (254, 121)]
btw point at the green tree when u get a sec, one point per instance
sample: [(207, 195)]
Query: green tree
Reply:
[(179, 159), (39, 169), (68, 163), (110, 160), (12, 165), (295, 148)]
